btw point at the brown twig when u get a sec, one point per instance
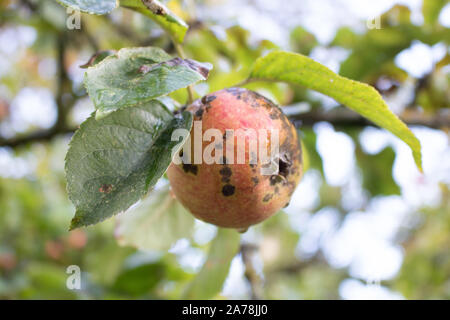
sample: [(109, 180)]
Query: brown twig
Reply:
[(64, 102), (254, 279), (38, 136), (338, 118), (342, 117), (299, 266)]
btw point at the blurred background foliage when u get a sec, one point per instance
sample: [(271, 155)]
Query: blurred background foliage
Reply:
[(363, 223)]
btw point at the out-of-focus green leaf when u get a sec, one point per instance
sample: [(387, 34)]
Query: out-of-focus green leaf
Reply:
[(345, 37), (426, 267), (311, 281), (279, 244), (100, 252), (137, 75), (309, 140), (48, 281), (112, 162), (360, 97), (140, 280), (210, 279), (232, 54), (373, 52), (377, 172), (330, 196), (155, 10), (431, 10), (90, 6), (302, 41), (156, 224), (434, 91)]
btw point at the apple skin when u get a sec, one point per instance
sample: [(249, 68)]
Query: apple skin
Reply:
[(238, 195)]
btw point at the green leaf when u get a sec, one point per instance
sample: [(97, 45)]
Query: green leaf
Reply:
[(47, 281), (159, 13), (90, 6), (431, 10), (210, 279), (302, 41), (156, 224), (360, 97), (112, 162), (377, 171), (137, 75), (373, 53), (141, 279)]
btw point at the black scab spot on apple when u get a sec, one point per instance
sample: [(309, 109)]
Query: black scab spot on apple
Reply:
[(228, 190), (284, 169), (276, 179), (255, 180), (262, 101), (287, 203), (255, 104), (268, 197), (105, 188), (192, 168), (199, 113), (291, 149), (275, 114), (235, 91), (226, 172), (284, 165), (208, 98)]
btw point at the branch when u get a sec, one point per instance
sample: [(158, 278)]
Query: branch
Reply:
[(30, 5), (255, 281), (338, 118), (63, 93), (41, 135), (341, 117), (299, 266), (63, 83)]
